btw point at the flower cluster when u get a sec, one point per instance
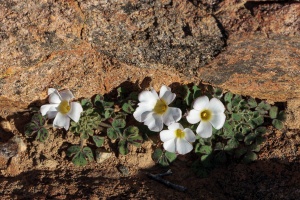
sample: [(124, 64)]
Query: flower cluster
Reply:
[(154, 111)]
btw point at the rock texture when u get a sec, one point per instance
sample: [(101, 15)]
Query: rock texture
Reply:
[(248, 47)]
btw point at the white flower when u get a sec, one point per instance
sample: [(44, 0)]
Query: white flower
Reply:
[(209, 113), (154, 111), (61, 109), (177, 139)]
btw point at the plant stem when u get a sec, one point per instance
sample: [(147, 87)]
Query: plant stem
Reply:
[(105, 125)]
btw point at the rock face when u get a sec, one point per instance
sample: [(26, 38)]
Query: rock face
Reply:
[(247, 47)]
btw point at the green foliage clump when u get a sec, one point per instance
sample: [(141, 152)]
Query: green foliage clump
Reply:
[(36, 126)]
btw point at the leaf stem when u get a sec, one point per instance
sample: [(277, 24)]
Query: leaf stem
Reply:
[(105, 125)]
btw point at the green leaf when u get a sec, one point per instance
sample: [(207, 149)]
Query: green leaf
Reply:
[(236, 116), (131, 131), (128, 108), (121, 92), (252, 102), (73, 150), (203, 149), (86, 103), (258, 120), (249, 139), (84, 135), (260, 130), (236, 100), (134, 96), (240, 152), (218, 92), (281, 116), (188, 96), (228, 96), (229, 107), (255, 147), (112, 133), (170, 156), (136, 140), (264, 105), (249, 157), (98, 140), (87, 151), (156, 155), (79, 159), (30, 129), (277, 124), (273, 112), (196, 92), (108, 113), (219, 146), (38, 119), (122, 145), (231, 144), (107, 104), (42, 134), (119, 123)]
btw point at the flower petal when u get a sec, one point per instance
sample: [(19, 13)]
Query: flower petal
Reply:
[(172, 115), (166, 94), (169, 146), (51, 114), (189, 135), (200, 103), (66, 95), (204, 129), (48, 107), (75, 111), (154, 122), (166, 135), (61, 121), (183, 146), (175, 126), (142, 111), (216, 106), (154, 93), (193, 116), (54, 96), (147, 96), (218, 120)]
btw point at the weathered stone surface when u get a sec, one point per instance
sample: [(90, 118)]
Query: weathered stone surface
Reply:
[(144, 33), (266, 68)]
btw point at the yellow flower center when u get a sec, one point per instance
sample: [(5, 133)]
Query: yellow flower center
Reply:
[(160, 107), (179, 133), (205, 115), (64, 107)]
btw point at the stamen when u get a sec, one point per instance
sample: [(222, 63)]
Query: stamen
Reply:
[(64, 107), (205, 115), (179, 133), (160, 107)]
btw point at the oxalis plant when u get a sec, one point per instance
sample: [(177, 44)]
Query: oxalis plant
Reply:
[(228, 127), (91, 120)]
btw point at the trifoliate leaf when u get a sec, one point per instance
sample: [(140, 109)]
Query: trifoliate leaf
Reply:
[(231, 144), (170, 156), (219, 146), (84, 135), (86, 103), (252, 102), (255, 147), (237, 116), (42, 134), (38, 119), (98, 140), (203, 149), (281, 116), (73, 150), (30, 129), (122, 146), (108, 113), (273, 112), (128, 108), (119, 123), (260, 130), (113, 134), (156, 155), (87, 151), (258, 120), (277, 124), (249, 139), (240, 152), (236, 100), (264, 105), (228, 96), (79, 159), (135, 140)]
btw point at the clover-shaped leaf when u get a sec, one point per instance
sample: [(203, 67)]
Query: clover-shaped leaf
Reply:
[(98, 140), (118, 123), (163, 158)]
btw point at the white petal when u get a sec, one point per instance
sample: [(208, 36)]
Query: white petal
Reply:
[(154, 122), (193, 116), (147, 96), (66, 95), (142, 111), (54, 96), (51, 114), (174, 126), (189, 135), (166, 135), (170, 146), (61, 121), (75, 111), (204, 129), (172, 115), (154, 93), (218, 120), (216, 106), (168, 97), (48, 107), (200, 103), (183, 146)]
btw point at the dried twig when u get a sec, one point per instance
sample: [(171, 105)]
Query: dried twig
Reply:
[(158, 177)]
